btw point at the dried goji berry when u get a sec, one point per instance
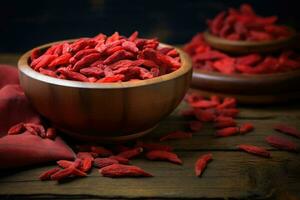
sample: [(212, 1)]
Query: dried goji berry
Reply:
[(205, 115), (103, 162), (74, 75), (86, 164), (47, 174), (131, 153), (51, 133), (227, 132), (281, 143), (201, 163), (120, 159), (65, 163), (119, 170), (228, 102), (61, 60), (16, 129), (42, 61), (62, 174), (203, 104), (130, 46), (246, 127), (86, 60), (287, 130), (47, 72), (260, 151), (35, 129), (163, 155)]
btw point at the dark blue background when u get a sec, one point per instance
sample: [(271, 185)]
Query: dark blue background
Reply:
[(25, 24)]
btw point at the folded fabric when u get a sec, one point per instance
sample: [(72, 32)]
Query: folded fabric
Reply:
[(8, 75), (14, 108), (30, 143), (27, 149)]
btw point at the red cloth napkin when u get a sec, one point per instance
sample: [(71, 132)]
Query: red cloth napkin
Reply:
[(14, 108), (8, 75), (25, 148)]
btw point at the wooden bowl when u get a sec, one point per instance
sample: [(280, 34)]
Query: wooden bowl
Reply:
[(242, 47), (250, 89), (107, 112)]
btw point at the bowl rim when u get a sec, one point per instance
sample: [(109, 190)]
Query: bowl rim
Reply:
[(247, 77), (23, 66), (243, 43)]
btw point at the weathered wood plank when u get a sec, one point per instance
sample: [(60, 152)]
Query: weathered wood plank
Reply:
[(230, 175), (205, 139)]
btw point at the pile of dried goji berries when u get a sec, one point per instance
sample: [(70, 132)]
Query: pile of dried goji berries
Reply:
[(34, 129), (104, 59), (242, 24), (206, 58), (245, 24)]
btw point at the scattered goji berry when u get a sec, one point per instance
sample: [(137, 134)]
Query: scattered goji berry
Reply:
[(64, 163), (51, 133), (47, 174), (225, 132), (62, 174), (16, 129), (103, 162), (205, 115), (260, 151), (203, 104), (287, 130), (120, 159), (86, 164), (201, 163), (131, 153), (119, 170), (281, 143), (163, 155), (246, 127)]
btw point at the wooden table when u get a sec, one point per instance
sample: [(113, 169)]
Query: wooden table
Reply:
[(232, 174)]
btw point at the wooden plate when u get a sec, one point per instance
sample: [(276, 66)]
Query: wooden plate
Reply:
[(266, 88), (242, 47)]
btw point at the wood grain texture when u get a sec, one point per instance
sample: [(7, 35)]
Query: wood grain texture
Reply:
[(231, 175)]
